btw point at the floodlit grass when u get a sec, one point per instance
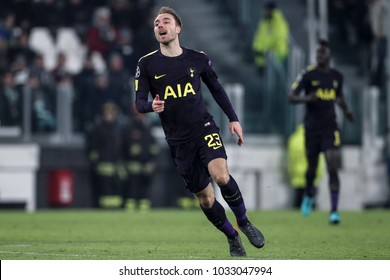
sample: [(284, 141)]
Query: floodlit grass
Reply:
[(187, 235)]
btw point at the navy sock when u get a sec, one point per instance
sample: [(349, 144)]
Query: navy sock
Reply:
[(334, 186), (309, 189), (217, 216), (232, 195), (334, 200)]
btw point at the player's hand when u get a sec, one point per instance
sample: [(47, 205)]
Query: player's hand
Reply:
[(350, 116), (235, 127), (157, 104)]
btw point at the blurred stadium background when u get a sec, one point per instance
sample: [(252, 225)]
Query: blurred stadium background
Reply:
[(51, 42)]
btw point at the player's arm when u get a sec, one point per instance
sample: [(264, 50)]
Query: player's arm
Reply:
[(340, 101), (296, 98), (235, 127), (220, 96), (223, 101), (141, 102), (297, 87), (141, 89), (210, 78)]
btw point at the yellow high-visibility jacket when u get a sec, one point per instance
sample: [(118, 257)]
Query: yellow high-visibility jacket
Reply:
[(297, 162), (271, 35)]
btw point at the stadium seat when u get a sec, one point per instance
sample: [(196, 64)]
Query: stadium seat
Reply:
[(99, 63), (42, 42), (68, 42)]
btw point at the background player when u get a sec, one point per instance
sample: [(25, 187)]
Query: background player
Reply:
[(173, 76), (323, 88)]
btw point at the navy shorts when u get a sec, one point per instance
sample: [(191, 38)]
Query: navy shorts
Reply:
[(317, 141), (192, 158)]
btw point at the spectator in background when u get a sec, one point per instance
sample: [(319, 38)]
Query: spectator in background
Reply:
[(127, 50), (38, 69), (21, 71), (10, 102), (140, 151), (104, 143), (102, 36), (4, 59), (100, 94), (43, 106), (60, 71), (83, 85), (22, 48), (271, 36), (119, 83), (7, 26), (379, 19)]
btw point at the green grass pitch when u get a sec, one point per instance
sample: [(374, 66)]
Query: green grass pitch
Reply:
[(172, 234)]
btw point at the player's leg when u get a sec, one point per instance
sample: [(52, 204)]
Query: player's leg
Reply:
[(332, 157), (229, 189), (312, 144), (197, 181), (232, 195), (330, 145), (312, 165), (310, 191), (215, 213)]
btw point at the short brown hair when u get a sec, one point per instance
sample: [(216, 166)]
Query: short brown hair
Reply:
[(172, 12)]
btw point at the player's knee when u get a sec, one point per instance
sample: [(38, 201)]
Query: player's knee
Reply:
[(221, 179), (334, 187), (332, 169), (334, 183), (206, 201)]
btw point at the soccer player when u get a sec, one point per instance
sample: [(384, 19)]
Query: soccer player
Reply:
[(323, 88), (173, 74)]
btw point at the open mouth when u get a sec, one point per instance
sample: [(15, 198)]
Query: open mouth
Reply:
[(161, 33)]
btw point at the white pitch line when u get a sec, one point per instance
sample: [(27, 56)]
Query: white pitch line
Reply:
[(45, 254)]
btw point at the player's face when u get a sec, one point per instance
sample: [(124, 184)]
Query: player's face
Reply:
[(323, 55), (165, 28)]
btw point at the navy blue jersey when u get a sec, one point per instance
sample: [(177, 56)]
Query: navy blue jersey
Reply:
[(177, 80), (321, 114)]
